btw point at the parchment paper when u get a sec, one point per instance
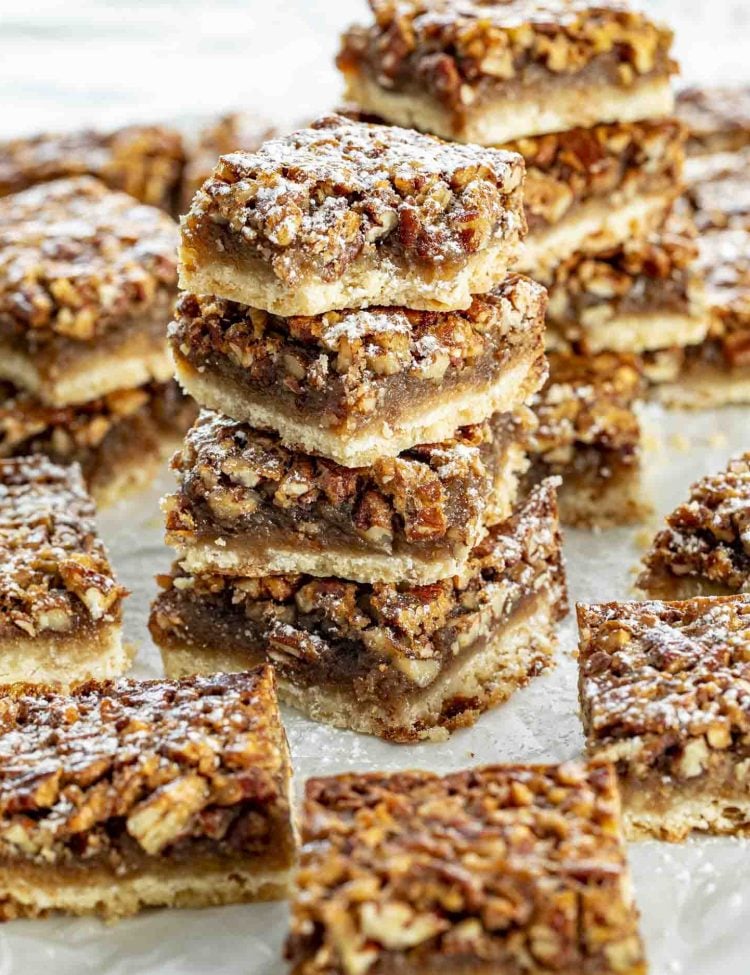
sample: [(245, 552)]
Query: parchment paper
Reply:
[(694, 898)]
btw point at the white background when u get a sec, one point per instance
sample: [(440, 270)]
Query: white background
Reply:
[(97, 62)]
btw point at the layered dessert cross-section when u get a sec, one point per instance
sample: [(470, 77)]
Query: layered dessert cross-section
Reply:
[(644, 295), (588, 190), (717, 118), (60, 603), (399, 661), (483, 72), (515, 868), (123, 795), (589, 434), (145, 161), (346, 215), (87, 283), (120, 440), (664, 696), (360, 385), (246, 505), (704, 548)]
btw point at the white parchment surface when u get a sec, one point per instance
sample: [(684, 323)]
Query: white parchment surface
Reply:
[(694, 898)]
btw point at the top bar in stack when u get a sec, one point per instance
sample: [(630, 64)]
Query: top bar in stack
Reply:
[(491, 72), (346, 215), (87, 278)]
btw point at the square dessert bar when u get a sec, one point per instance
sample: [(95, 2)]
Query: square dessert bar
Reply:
[(643, 295), (247, 505), (664, 695), (716, 372), (588, 190), (501, 869), (60, 604), (145, 161), (705, 547), (120, 439), (399, 661), (718, 119), (360, 385), (222, 135), (484, 72), (127, 794), (346, 215), (588, 433), (87, 283)]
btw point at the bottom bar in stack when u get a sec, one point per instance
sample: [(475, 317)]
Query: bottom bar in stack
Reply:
[(588, 433), (119, 439), (403, 662)]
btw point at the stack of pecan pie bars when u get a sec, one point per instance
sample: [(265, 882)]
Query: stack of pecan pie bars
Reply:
[(581, 90), (349, 503)]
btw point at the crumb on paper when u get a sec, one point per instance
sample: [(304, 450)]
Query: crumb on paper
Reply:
[(678, 441)]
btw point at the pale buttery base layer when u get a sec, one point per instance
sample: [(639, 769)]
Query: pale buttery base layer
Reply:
[(52, 657), (610, 502), (253, 283), (133, 471), (591, 227), (477, 681), (238, 555), (91, 377), (430, 423), (671, 587), (703, 387), (685, 815), (644, 332), (28, 890), (493, 122)]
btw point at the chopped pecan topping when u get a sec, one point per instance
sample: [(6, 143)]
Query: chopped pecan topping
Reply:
[(501, 867), (54, 571), (119, 770), (587, 400), (315, 201), (77, 259), (664, 685), (460, 52), (708, 537), (144, 161)]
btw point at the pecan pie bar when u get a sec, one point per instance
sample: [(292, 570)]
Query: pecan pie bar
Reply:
[(399, 661), (588, 433), (87, 283), (705, 547), (484, 72), (718, 118), (360, 385), (120, 440), (144, 161), (716, 372), (130, 794), (501, 869), (643, 295), (718, 190), (228, 133), (345, 215), (247, 505), (664, 695), (60, 604), (587, 190)]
